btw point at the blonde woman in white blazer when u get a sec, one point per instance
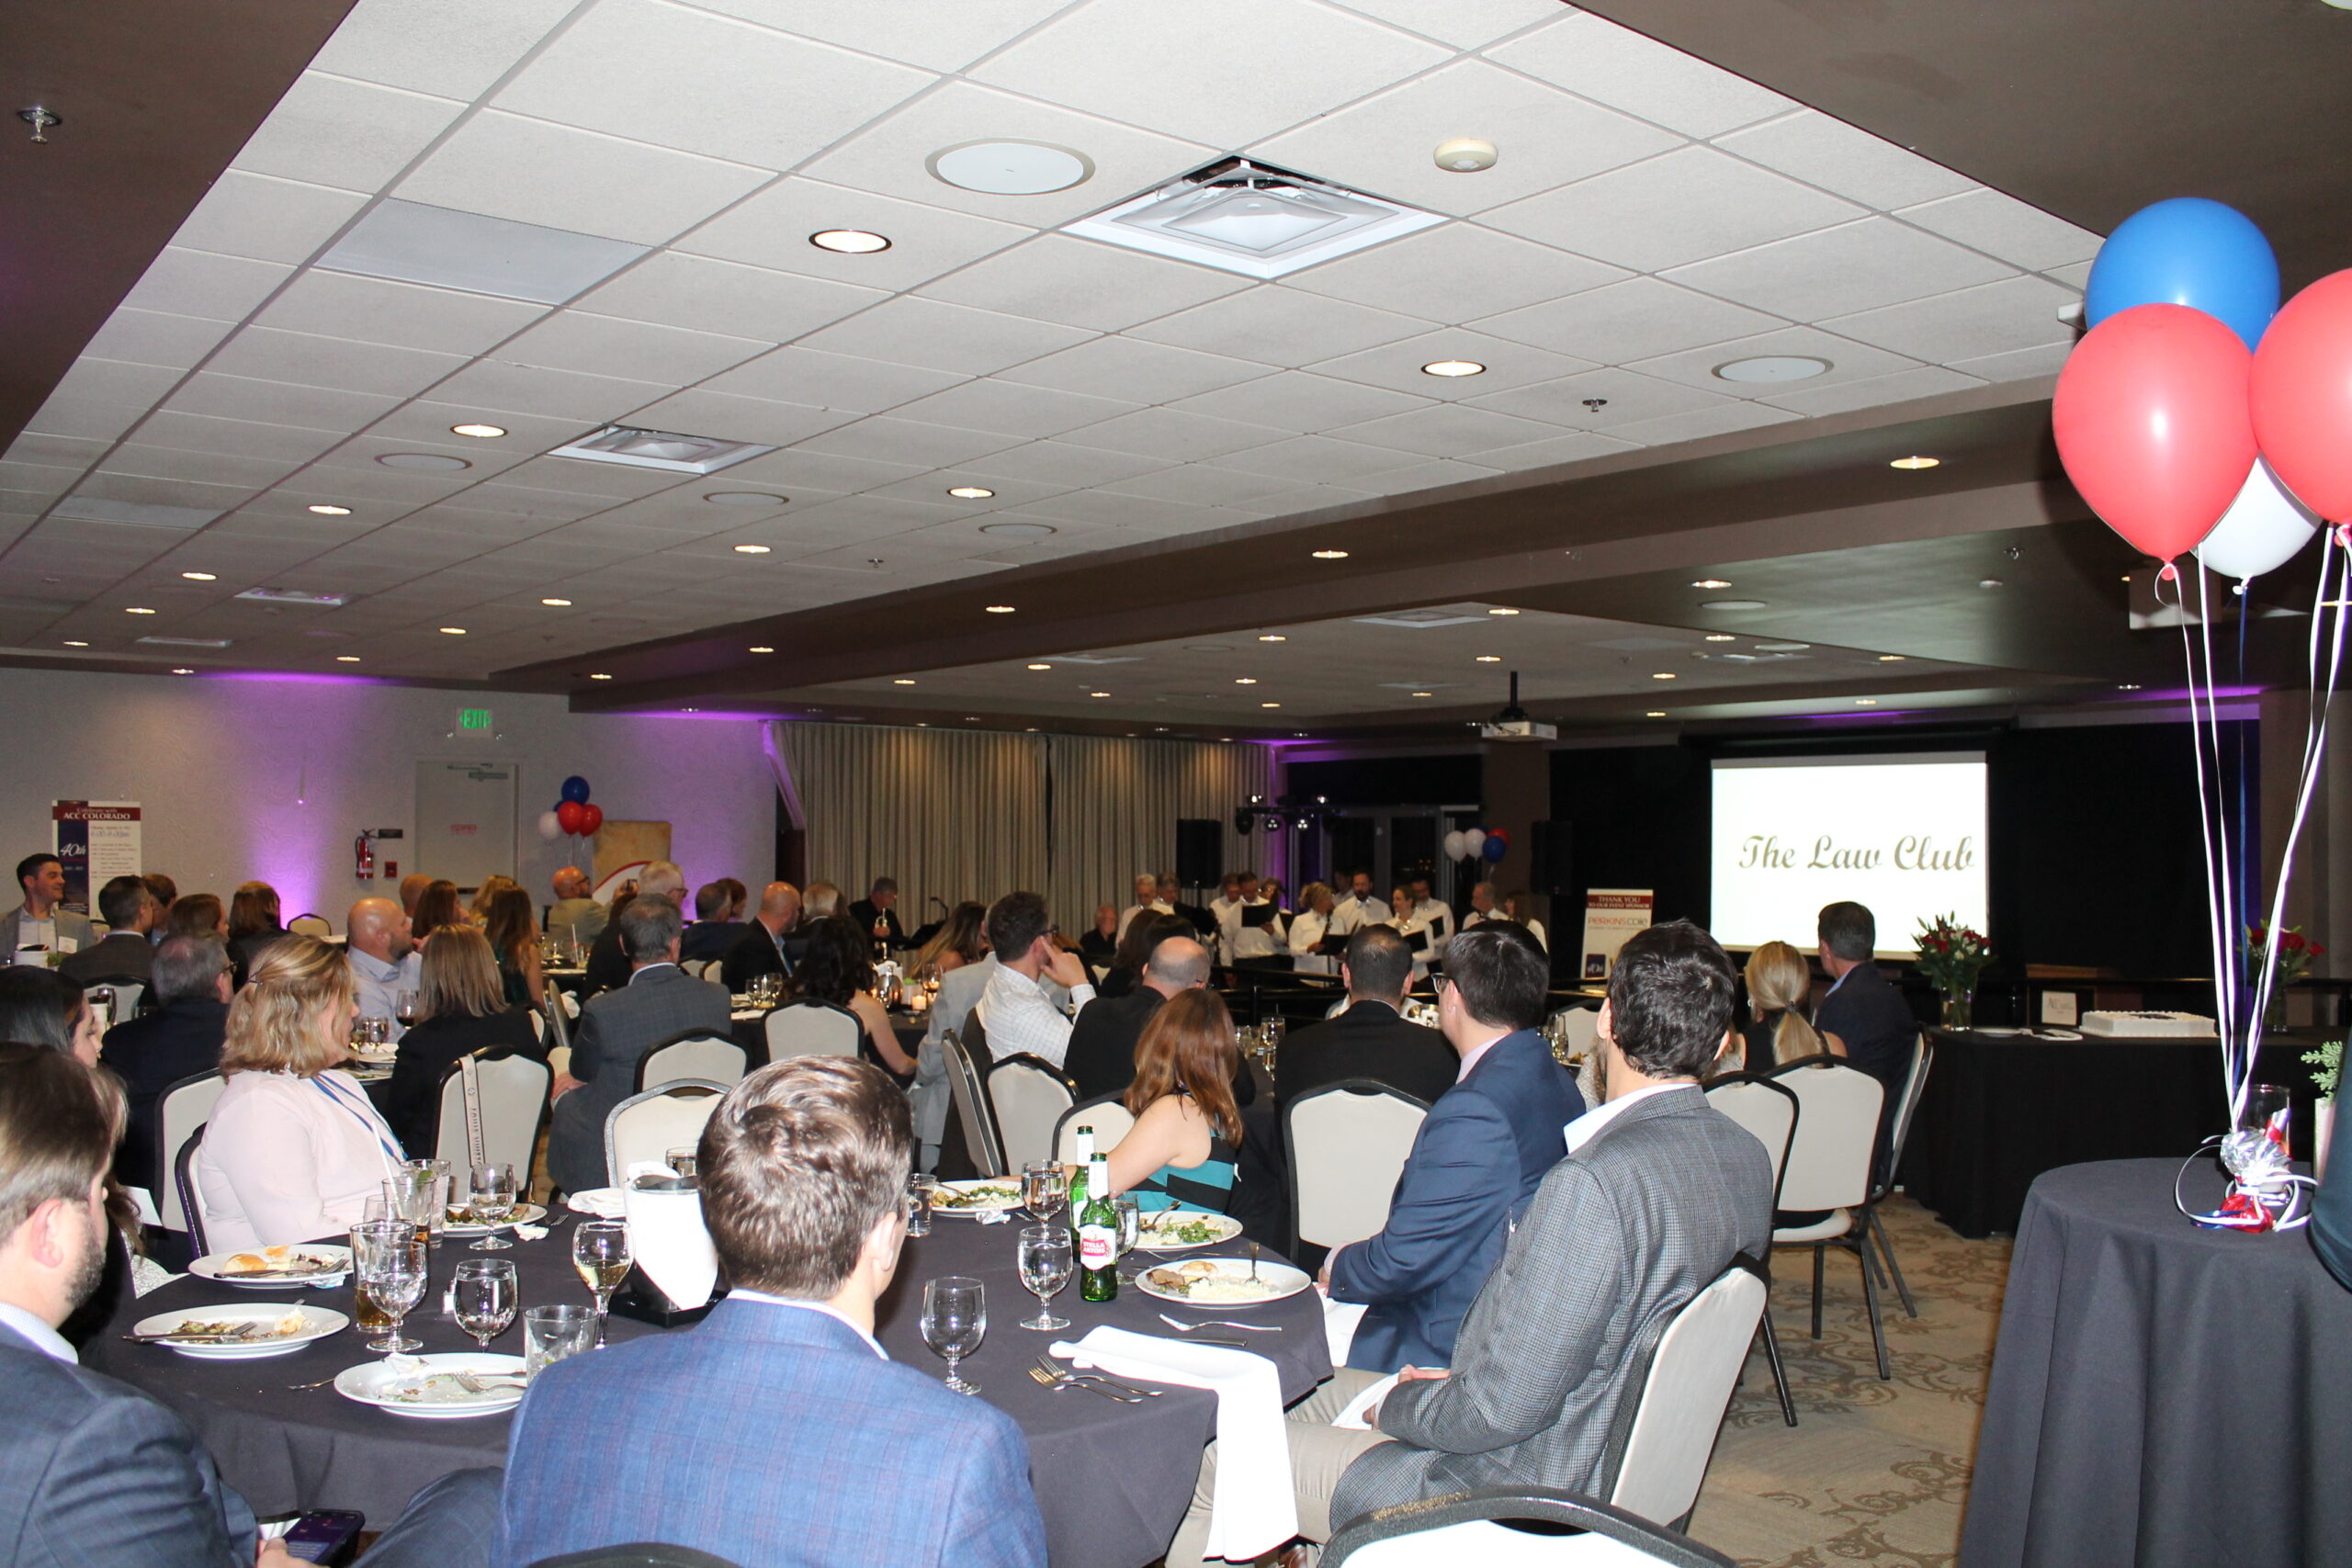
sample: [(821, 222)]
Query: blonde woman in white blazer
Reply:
[(294, 1148)]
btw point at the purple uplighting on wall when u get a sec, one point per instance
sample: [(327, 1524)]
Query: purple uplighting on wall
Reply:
[(296, 677)]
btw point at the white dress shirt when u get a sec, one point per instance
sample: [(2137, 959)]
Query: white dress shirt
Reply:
[(1247, 942), (377, 985), (41, 1336), (1436, 919), (1351, 914), (1019, 1017), (1307, 931), (1156, 907), (763, 1299), (1587, 1127)]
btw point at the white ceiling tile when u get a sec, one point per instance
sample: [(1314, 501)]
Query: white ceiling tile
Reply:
[(1465, 24), (455, 48), (1397, 366), (1427, 476), (533, 501), (114, 381), (507, 167), (1283, 499), (149, 337), (772, 229), (1627, 396), (1849, 360), (2019, 364), (208, 433), (1301, 402), (409, 315), (278, 403), (207, 468), (1544, 137), (40, 483), (1009, 408), (482, 458), (1633, 320), (1925, 381), (62, 450), (1170, 433), (710, 296), (1447, 430), (889, 440), (1620, 67), (1121, 58), (701, 412), (795, 375), (933, 487), (1103, 509), (1082, 283), (330, 130), (247, 214), (427, 424), (1275, 325), (268, 353), (1699, 424), (892, 157), (855, 519), (1679, 207), (1854, 266), (1454, 273), (1840, 158), (702, 83), (947, 38), (1119, 366), (578, 339), (1324, 457), (934, 335), (2075, 275), (182, 282), (141, 490), (1559, 449), (1059, 463), (2001, 225), (1197, 484), (492, 386), (1991, 318)]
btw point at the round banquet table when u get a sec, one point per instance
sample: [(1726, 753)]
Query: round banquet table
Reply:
[(2161, 1396), (1111, 1480)]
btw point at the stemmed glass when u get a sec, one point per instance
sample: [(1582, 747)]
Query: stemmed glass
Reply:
[(493, 1203), (600, 1253), (392, 1266), (487, 1296), (1044, 1187), (955, 1321), (404, 1007), (1044, 1268)]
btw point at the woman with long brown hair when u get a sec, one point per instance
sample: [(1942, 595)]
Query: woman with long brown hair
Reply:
[(436, 907), (1180, 1152), (461, 1010), (254, 924), (514, 932)]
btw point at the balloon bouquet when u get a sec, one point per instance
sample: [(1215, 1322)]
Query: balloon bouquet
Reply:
[(2198, 415), (1488, 844), (573, 814)]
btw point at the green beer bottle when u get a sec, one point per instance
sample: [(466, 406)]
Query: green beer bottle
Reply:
[(1098, 1237)]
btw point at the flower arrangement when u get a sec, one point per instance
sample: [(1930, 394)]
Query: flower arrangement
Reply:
[(1951, 955), (2293, 955)]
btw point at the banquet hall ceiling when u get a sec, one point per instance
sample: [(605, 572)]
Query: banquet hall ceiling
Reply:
[(1650, 218)]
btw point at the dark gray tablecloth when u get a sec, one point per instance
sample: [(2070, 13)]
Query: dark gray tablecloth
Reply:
[(2162, 1396), (1113, 1479)]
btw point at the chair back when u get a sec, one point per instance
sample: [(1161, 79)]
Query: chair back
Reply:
[(183, 1189), (1829, 1157), (1447, 1532), (1906, 1105), (808, 1028), (694, 966), (127, 989), (1580, 1029), (1660, 1453), (558, 1030), (975, 1038), (1105, 1113), (647, 1126), (1028, 1095), (180, 1111), (1347, 1143), (695, 1055), (973, 1109), (1765, 1107), (309, 925), (511, 1103)]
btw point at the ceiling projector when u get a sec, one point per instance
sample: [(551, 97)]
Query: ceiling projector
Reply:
[(1512, 722)]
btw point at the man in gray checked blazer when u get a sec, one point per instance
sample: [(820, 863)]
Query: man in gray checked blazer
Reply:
[(1658, 1194), (616, 1028)]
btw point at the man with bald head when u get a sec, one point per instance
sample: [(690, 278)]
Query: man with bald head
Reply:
[(1101, 1055), (383, 959), (573, 914), (608, 965), (764, 947)]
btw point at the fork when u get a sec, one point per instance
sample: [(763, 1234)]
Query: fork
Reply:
[(1218, 1323), (479, 1382), (236, 1332), (1061, 1371), (1060, 1381), (1253, 1262)]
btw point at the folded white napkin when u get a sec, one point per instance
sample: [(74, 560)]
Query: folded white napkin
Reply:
[(1339, 1320), (1253, 1510), (668, 1240), (603, 1202), (1353, 1415)]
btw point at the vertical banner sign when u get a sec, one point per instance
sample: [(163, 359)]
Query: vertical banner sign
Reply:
[(96, 841), (1610, 915)]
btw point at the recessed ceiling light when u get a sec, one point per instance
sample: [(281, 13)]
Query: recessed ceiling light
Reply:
[(324, 510), (970, 492), (1331, 555), (453, 631), (848, 242), (1914, 462), (1245, 679), (1774, 368), (557, 604), (1892, 658), (70, 642), (1041, 667), (478, 432), (1502, 612), (183, 669), (1009, 168), (600, 677), (423, 462), (902, 681), (745, 498), (998, 609), (1664, 675), (1731, 603), (1866, 701), (137, 610), (1272, 637), (1454, 367), (1721, 637), (1711, 582), (1269, 704), (1018, 530), (751, 549), (760, 648), (346, 659), (1098, 693), (1991, 582), (2129, 686), (199, 576), (1655, 713), (1491, 659), (1424, 694), (1465, 156)]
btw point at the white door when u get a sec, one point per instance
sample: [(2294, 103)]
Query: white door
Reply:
[(465, 821)]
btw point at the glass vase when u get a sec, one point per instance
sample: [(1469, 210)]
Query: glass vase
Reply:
[(1960, 1008)]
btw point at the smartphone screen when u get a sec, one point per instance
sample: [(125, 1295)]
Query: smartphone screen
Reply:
[(324, 1536)]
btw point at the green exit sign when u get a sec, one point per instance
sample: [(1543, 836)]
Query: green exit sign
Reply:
[(473, 719)]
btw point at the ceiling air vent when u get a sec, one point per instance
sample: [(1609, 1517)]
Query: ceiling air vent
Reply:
[(1252, 218), (659, 449), (186, 641), (296, 596)]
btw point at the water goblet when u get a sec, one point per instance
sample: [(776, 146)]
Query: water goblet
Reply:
[(600, 1254), (393, 1269), (1045, 1186), (486, 1297), (492, 1202), (1045, 1262), (954, 1321), (919, 1189)]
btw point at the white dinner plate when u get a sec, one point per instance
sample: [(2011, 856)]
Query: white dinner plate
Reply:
[(1276, 1281), (376, 1056), (602, 1202), (317, 1323), (2057, 1034), (215, 1267), (1997, 1033), (1002, 1194), (1225, 1226), (524, 1215), (420, 1386)]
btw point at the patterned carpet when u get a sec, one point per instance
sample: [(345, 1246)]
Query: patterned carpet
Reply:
[(1874, 1471)]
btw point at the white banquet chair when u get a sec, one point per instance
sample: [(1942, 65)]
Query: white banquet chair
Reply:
[(1923, 1058), (1347, 1143), (1693, 1365), (511, 1095), (182, 1108), (812, 1029), (1580, 1029), (1106, 1113), (691, 1056), (1028, 1096), (1830, 1170), (649, 1125), (1768, 1110), (972, 1112)]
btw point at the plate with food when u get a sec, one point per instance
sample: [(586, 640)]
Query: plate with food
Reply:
[(1181, 1230), (1222, 1281), (451, 1386), (990, 1196), (276, 1268), (459, 1221), (246, 1332)]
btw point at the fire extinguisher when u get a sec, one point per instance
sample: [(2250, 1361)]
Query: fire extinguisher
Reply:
[(364, 851)]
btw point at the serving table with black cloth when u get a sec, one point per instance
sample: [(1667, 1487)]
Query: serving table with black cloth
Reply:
[(2000, 1110), (1113, 1479), (2162, 1396)]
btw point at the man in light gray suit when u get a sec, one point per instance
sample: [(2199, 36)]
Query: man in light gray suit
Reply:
[(618, 1027), (39, 920), (1658, 1194)]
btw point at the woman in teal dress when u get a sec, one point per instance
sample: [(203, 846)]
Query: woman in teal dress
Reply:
[(513, 930), (1180, 1152)]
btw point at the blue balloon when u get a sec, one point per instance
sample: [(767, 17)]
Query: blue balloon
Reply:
[(576, 789), (2191, 252), (1494, 850)]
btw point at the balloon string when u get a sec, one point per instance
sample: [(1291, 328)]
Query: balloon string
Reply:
[(2231, 920), (2214, 872)]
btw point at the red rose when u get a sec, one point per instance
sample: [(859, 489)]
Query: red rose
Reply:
[(2293, 941)]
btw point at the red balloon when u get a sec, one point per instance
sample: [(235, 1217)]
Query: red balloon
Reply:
[(2301, 396), (2153, 425), (592, 817), (1499, 833), (570, 816)]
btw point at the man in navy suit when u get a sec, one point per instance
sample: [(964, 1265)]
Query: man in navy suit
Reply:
[(778, 1431), (1477, 1159)]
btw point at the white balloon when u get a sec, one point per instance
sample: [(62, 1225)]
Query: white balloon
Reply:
[(1453, 849), (2261, 531), (550, 827), (1472, 840)]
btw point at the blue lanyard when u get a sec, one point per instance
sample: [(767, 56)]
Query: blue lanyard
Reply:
[(395, 1155)]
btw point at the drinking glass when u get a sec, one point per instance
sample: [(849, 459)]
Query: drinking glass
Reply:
[(491, 1203), (2267, 1112), (392, 1266), (955, 1321), (1045, 1186), (552, 1333), (682, 1162), (919, 1204), (486, 1297), (404, 1006), (1044, 1268), (420, 1194), (1130, 1216), (600, 1253), (373, 1229)]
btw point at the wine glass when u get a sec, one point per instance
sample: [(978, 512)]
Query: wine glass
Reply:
[(404, 1007), (1045, 1186), (1044, 1268), (493, 1203), (487, 1295), (600, 1253), (955, 1321), (393, 1268)]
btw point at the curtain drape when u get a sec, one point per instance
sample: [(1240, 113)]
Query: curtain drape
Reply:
[(1116, 803)]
